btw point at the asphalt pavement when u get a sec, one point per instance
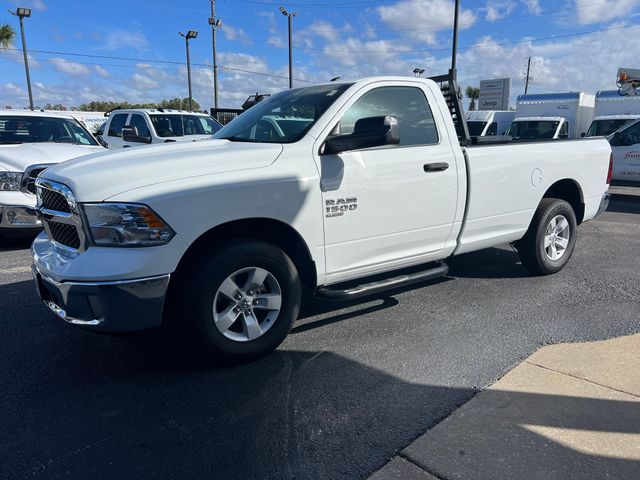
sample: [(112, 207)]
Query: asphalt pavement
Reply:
[(350, 387)]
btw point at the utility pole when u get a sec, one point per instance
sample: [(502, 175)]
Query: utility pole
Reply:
[(22, 13), (455, 34), (289, 17), (189, 35), (215, 24), (526, 82)]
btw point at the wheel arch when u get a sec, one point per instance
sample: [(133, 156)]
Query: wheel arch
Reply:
[(568, 190), (276, 232)]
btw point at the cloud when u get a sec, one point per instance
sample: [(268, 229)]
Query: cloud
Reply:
[(102, 72), (603, 11), (125, 39), (35, 4), (499, 9), (421, 21), (234, 33), (533, 6), (70, 68)]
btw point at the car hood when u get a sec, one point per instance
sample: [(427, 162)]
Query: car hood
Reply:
[(16, 158), (97, 177)]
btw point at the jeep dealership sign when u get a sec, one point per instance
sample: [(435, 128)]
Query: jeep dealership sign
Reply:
[(494, 94)]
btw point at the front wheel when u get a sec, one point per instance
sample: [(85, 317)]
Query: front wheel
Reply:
[(242, 301), (549, 242)]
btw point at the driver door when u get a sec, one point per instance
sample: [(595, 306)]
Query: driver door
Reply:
[(385, 207), (626, 154)]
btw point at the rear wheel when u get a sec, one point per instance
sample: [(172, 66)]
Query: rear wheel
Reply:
[(241, 302), (548, 244)]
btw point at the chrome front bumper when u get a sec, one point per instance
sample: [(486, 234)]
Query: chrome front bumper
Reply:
[(19, 216), (114, 306)]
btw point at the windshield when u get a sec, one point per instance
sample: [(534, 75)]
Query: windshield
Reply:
[(476, 128), (282, 118), (17, 129), (531, 130), (172, 125), (602, 128)]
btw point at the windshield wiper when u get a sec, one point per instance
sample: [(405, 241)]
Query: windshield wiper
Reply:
[(11, 142), (235, 138)]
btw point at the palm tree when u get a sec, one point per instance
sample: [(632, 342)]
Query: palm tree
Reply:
[(7, 35), (473, 93)]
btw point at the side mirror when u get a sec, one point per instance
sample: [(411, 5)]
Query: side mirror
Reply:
[(130, 134), (367, 133), (615, 140), (583, 134)]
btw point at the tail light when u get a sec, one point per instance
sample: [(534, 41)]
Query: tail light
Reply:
[(610, 173)]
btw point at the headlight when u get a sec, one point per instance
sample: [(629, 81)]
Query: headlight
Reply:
[(10, 181), (126, 225)]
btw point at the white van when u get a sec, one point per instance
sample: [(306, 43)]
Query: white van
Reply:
[(484, 123), (612, 112), (552, 116), (625, 148)]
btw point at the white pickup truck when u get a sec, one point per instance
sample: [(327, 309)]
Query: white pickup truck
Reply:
[(134, 127), (358, 179), (29, 143)]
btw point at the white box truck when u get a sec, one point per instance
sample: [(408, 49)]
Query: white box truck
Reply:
[(552, 116), (484, 123), (612, 112)]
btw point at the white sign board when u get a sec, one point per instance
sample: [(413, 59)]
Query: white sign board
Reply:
[(494, 94)]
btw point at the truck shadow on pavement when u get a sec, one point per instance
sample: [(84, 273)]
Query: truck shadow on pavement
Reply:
[(77, 405)]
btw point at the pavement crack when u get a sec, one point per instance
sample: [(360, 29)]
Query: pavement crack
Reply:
[(581, 378), (421, 467)]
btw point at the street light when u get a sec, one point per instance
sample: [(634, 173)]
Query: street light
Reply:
[(289, 17), (417, 72), (22, 13), (215, 25), (190, 34)]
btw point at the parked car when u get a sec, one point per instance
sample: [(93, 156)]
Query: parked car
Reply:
[(128, 128), (625, 144), (29, 143), (484, 123), (612, 112), (552, 115), (359, 179)]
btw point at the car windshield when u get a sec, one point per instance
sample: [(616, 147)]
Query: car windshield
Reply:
[(602, 128), (15, 129), (532, 130), (283, 118), (476, 128), (175, 125)]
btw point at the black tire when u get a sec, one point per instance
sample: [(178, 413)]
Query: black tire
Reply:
[(204, 280), (531, 247)]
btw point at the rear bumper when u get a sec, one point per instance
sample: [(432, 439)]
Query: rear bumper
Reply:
[(113, 306), (604, 203)]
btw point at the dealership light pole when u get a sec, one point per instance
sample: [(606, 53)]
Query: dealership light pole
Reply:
[(190, 34), (455, 34), (289, 18), (526, 82), (215, 25), (22, 13)]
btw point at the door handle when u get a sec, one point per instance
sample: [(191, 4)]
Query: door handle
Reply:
[(435, 167)]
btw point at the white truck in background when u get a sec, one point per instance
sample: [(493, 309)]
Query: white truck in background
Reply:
[(612, 112), (484, 123), (552, 116), (133, 127), (217, 239)]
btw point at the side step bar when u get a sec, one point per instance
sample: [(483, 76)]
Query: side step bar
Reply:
[(328, 293)]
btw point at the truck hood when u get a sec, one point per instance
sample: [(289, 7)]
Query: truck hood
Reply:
[(16, 158), (97, 177)]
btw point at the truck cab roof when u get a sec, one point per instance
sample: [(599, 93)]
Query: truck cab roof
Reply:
[(535, 119)]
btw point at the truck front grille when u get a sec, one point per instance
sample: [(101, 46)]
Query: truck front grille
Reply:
[(28, 183), (60, 215), (55, 201), (64, 234)]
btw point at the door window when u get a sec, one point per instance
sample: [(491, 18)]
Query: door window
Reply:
[(631, 135), (117, 122), (140, 123), (492, 130), (407, 104)]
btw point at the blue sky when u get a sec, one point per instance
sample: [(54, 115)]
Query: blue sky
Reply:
[(575, 45)]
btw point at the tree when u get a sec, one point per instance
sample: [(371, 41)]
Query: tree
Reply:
[(473, 93), (173, 104), (7, 35)]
